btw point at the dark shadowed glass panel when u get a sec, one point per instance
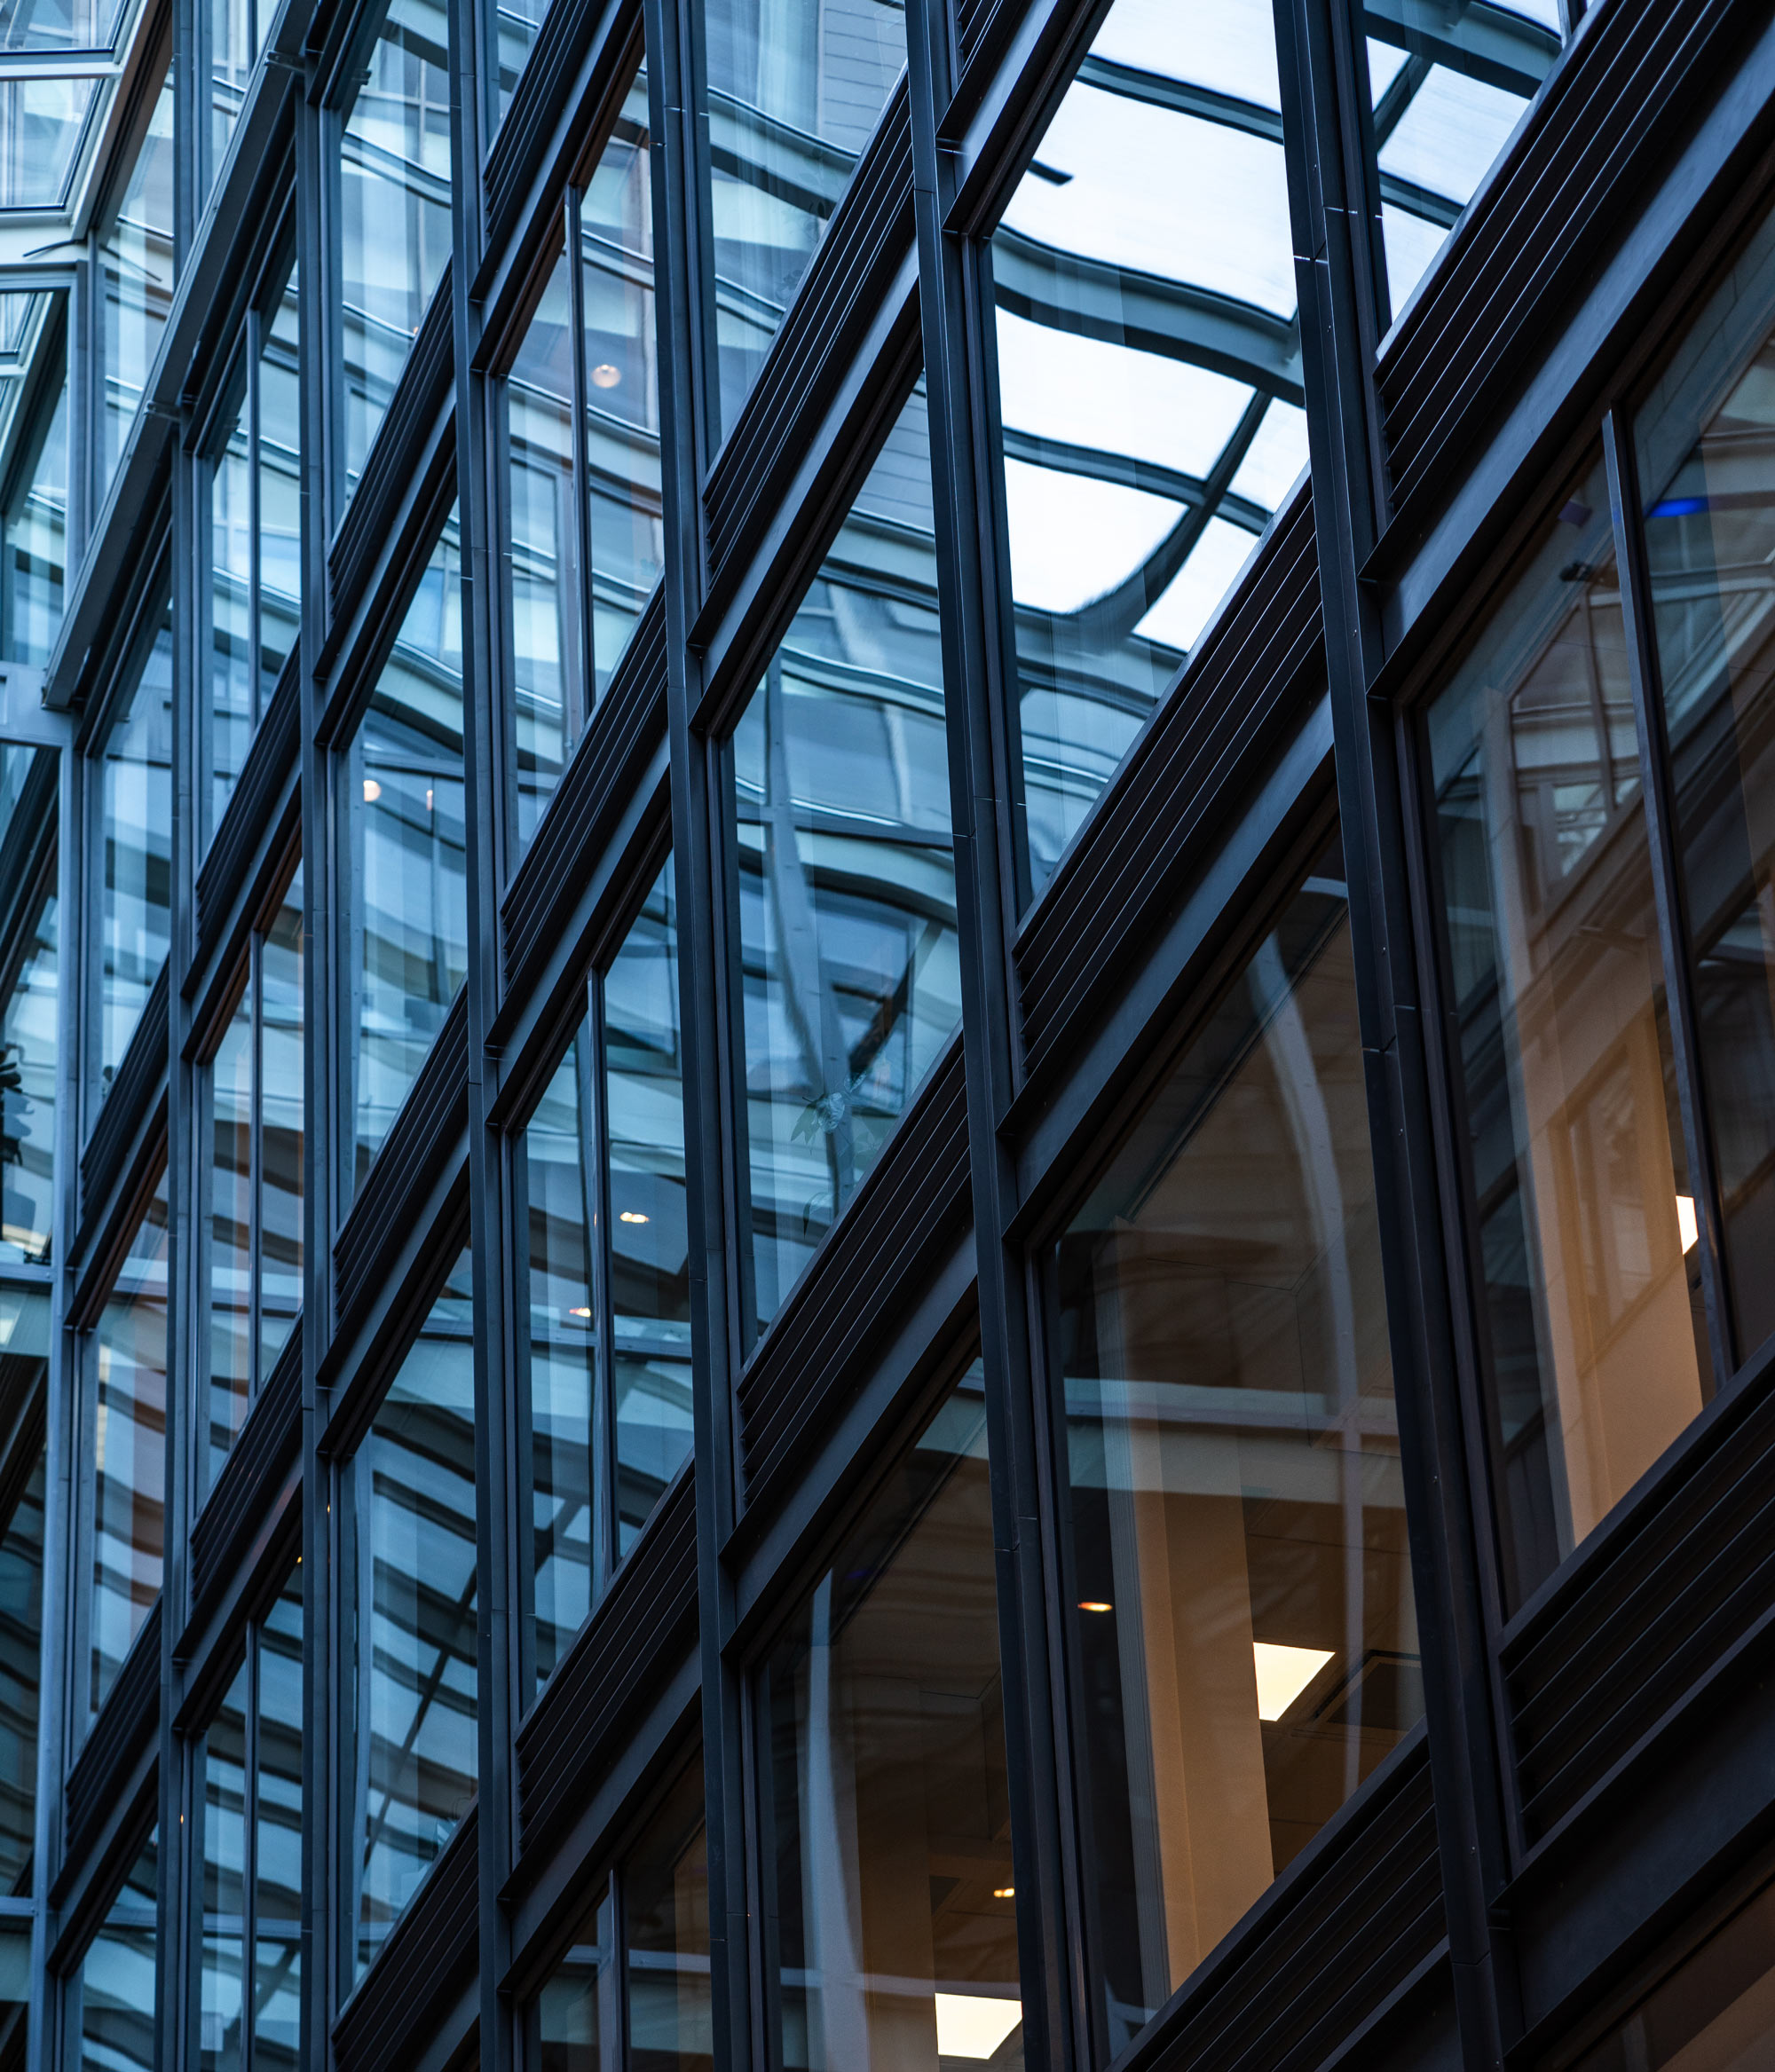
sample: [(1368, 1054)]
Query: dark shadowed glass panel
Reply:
[(1450, 80), (408, 831), (846, 867), (135, 921), (277, 1836), (574, 2021), (1584, 1218), (1149, 379), (666, 1916), (394, 183), (1245, 1636), (1707, 462), (408, 1613), (231, 1232), (796, 88), (887, 1802), (124, 1439), (30, 993), (1715, 2013), (224, 1873), (119, 1976), (22, 1406), (135, 294), (34, 574)]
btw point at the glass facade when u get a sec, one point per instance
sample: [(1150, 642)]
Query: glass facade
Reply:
[(887, 1036)]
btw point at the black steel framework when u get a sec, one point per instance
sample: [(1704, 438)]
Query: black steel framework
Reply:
[(1459, 1909)]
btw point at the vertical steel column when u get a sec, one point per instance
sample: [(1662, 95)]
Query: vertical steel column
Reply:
[(1335, 209), (954, 302), (678, 114)]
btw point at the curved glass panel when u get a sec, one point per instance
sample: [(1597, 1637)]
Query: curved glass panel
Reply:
[(1245, 1642), (135, 295), (884, 1789), (1596, 1347), (1148, 376), (405, 809), (408, 1612), (1450, 80), (846, 867), (1707, 460), (124, 1439), (394, 187), (796, 88)]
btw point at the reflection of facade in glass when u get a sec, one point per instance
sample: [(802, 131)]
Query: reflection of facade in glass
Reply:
[(887, 1036)]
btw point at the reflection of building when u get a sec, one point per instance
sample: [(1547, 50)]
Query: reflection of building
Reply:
[(887, 1036)]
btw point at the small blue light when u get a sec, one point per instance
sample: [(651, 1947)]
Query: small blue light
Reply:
[(1679, 507)]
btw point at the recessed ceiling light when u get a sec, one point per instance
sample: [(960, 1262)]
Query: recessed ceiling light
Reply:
[(1283, 1673), (580, 1312), (371, 790), (1004, 1892), (631, 1216), (1094, 1604), (605, 375)]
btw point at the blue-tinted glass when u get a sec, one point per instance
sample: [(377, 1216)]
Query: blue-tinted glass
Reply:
[(232, 712), (278, 522), (278, 1176), (33, 577), (231, 1232), (1149, 379), (22, 1618), (136, 911), (30, 1005), (41, 122), (796, 87), (57, 25), (1244, 1642), (407, 832), (136, 294), (234, 29), (650, 1251), (1450, 80), (277, 1827), (409, 1618), (394, 209), (622, 384), (515, 26), (120, 1976), (884, 1781), (847, 872), (225, 1870), (125, 1440)]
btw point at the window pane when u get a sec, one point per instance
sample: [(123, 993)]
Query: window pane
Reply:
[(277, 1874), (126, 1442), (1245, 1640), (1583, 1209), (412, 1494), (1450, 80), (394, 209), (230, 1232), (60, 24), (231, 706), (1709, 478), (233, 45), (30, 1026), (1149, 380), (22, 1611), (846, 867), (42, 122), (576, 2012), (119, 1974), (795, 90), (564, 1448), (35, 556), (279, 534), (666, 1902), (622, 385), (888, 1805), (545, 584), (281, 1110), (134, 920), (407, 832), (224, 1861), (649, 1262), (515, 26), (136, 297)]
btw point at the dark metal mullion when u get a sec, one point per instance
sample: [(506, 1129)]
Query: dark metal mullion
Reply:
[(1676, 944), (580, 670)]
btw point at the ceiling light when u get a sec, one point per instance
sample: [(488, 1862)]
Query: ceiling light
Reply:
[(605, 377), (631, 1216), (1685, 1221), (1094, 1604), (970, 2026), (1004, 1892), (1283, 1673), (580, 1312), (371, 790)]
